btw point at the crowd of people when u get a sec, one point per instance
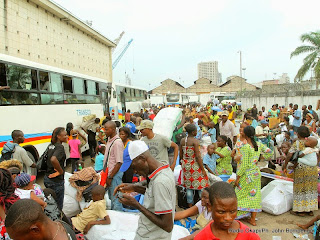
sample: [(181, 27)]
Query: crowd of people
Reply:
[(130, 158)]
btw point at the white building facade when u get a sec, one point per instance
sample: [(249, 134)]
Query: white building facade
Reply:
[(210, 71)]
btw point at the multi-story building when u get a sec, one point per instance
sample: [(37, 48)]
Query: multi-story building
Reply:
[(209, 70)]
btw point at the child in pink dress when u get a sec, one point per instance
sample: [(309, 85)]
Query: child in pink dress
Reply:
[(75, 150)]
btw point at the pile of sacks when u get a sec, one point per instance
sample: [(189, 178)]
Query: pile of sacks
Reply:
[(72, 207)]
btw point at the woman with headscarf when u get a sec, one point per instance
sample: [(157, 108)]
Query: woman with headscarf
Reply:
[(248, 181), (310, 123), (305, 179), (7, 199)]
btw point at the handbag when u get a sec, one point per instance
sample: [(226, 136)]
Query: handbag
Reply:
[(42, 162), (104, 172)]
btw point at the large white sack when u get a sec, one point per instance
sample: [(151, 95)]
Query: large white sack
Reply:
[(68, 189), (123, 226), (277, 197), (280, 138), (70, 206), (176, 173), (166, 121)]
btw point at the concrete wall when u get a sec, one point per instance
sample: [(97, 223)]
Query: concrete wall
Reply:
[(37, 30), (267, 100)]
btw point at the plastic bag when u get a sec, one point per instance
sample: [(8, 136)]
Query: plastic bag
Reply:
[(87, 121), (68, 189), (117, 230), (166, 121), (71, 206), (277, 197)]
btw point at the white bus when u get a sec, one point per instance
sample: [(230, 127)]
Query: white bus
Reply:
[(43, 97), (125, 98)]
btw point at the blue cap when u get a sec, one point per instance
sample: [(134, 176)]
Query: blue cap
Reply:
[(24, 179), (263, 122), (132, 127), (126, 159)]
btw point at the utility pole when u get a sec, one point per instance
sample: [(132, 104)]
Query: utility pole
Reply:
[(240, 63)]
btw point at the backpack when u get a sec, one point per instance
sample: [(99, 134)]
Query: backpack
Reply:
[(7, 152), (42, 162)]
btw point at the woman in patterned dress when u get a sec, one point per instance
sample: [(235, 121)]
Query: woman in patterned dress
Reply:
[(194, 175), (241, 141), (248, 182), (223, 151), (305, 179)]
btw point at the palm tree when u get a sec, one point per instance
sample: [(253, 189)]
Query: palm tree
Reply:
[(311, 61)]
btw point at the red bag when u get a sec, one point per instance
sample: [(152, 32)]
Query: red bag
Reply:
[(103, 177), (104, 172)]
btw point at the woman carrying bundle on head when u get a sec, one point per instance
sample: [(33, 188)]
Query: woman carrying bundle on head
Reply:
[(248, 182)]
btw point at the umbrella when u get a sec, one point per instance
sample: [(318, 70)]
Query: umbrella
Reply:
[(215, 108)]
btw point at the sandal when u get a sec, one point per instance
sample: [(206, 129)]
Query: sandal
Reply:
[(300, 214)]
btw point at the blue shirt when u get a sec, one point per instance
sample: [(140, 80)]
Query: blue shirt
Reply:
[(213, 135), (199, 132), (131, 126), (98, 165), (297, 122), (210, 161)]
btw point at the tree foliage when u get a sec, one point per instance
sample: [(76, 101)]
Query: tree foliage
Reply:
[(312, 60)]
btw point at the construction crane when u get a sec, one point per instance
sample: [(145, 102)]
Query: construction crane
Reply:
[(117, 40), (115, 63)]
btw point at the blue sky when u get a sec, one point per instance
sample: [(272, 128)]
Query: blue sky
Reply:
[(172, 36)]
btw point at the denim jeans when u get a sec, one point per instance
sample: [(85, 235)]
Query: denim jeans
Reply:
[(117, 180), (190, 195), (57, 187)]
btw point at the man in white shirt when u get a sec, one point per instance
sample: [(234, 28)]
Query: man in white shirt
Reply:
[(227, 128), (264, 112), (20, 153)]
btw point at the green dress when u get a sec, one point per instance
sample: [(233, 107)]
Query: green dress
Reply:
[(224, 166), (249, 190)]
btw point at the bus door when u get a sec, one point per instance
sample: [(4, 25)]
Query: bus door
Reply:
[(105, 101)]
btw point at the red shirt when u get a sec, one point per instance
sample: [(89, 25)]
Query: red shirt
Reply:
[(152, 116), (244, 233)]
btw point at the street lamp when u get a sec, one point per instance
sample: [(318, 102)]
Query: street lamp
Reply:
[(244, 72)]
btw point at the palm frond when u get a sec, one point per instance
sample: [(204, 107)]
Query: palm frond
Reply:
[(313, 38), (307, 63), (303, 49)]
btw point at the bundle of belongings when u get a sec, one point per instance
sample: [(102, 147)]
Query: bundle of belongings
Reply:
[(84, 181)]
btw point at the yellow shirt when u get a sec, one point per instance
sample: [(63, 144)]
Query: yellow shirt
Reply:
[(96, 210), (231, 116)]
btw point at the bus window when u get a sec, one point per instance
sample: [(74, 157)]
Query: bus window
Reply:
[(67, 84), (3, 75), (78, 86), (19, 98), (20, 77), (97, 88), (56, 82), (51, 98), (91, 87), (44, 81)]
